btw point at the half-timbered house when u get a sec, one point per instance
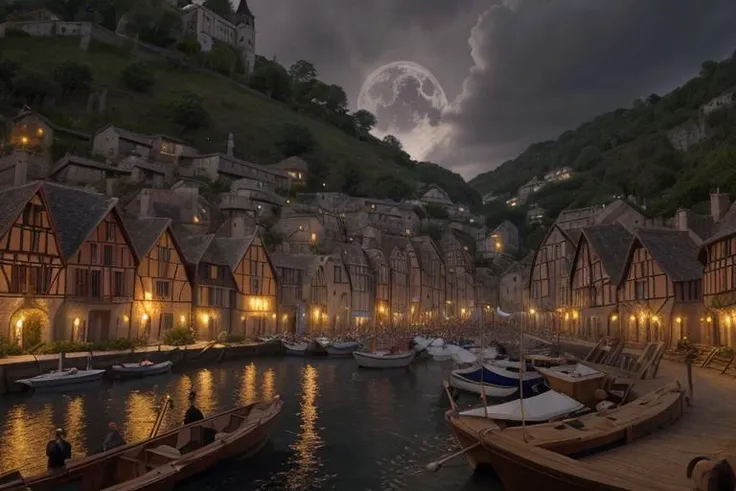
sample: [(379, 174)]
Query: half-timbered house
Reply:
[(101, 263), (719, 283), (162, 293), (382, 301), (459, 254), (33, 279), (395, 251), (660, 296), (433, 280), (596, 271), (362, 283), (302, 297)]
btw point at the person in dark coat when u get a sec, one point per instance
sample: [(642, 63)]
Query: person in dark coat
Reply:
[(710, 475), (113, 438), (58, 451), (193, 413)]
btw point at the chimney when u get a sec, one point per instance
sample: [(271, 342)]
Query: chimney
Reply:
[(682, 220), (719, 204), (144, 201)]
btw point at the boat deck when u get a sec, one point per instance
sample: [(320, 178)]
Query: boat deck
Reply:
[(708, 428)]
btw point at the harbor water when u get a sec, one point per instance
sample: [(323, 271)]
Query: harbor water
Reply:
[(341, 427)]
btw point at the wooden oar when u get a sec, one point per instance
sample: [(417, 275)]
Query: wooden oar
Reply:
[(435, 466)]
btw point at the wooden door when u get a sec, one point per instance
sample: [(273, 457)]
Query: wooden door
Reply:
[(98, 326)]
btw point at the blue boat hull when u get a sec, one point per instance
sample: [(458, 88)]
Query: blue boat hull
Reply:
[(533, 385)]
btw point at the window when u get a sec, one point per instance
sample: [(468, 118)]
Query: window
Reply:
[(107, 255), (36, 241), (163, 289), (166, 322), (95, 284), (93, 253), (33, 215), (164, 254), (215, 297), (81, 282), (213, 272), (168, 148), (30, 279), (338, 275), (640, 290), (255, 286), (109, 231), (118, 284)]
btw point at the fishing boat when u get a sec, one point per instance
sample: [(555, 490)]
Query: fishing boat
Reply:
[(442, 353), (574, 436), (507, 375), (457, 381), (345, 348), (540, 408), (319, 346), (384, 359), (63, 377), (144, 368), (296, 348), (161, 462)]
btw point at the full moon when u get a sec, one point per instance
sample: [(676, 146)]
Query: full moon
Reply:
[(407, 101)]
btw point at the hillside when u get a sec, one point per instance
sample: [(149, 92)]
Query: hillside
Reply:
[(630, 151), (257, 122)]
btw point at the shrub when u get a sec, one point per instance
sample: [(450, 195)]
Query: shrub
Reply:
[(179, 336), (9, 349), (14, 32), (138, 77), (189, 46), (189, 112), (296, 140), (65, 346), (683, 345), (73, 76)]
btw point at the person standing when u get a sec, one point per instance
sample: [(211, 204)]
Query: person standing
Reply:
[(58, 451), (193, 413), (113, 438)]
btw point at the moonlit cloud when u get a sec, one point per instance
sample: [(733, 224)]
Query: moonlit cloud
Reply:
[(518, 71)]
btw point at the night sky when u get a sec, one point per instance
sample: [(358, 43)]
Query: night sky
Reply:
[(515, 71)]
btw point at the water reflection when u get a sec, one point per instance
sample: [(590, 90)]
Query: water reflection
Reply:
[(269, 389), (248, 386), (24, 438), (205, 388), (74, 425), (306, 463), (140, 415)]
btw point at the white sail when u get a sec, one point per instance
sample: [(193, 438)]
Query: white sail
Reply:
[(502, 313)]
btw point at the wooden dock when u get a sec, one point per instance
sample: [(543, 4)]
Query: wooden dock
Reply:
[(707, 428)]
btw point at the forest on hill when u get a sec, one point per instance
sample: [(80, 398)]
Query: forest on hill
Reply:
[(274, 112), (630, 152)]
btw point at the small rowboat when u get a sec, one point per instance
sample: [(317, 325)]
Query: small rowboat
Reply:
[(161, 462), (142, 369), (342, 349), (384, 359), (63, 377), (459, 382), (299, 348)]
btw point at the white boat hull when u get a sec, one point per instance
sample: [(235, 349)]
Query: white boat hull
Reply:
[(65, 378), (296, 349), (342, 349), (137, 370), (384, 360), (466, 385)]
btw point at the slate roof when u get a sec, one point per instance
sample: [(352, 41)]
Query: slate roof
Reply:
[(132, 136), (611, 244), (725, 228), (701, 225), (307, 263), (83, 162), (674, 251), (194, 246), (228, 250), (243, 9), (145, 232), (390, 241), (12, 202), (75, 213)]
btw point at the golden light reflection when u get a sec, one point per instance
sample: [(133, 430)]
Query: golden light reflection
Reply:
[(248, 392), (74, 424), (269, 386), (140, 415), (306, 463), (23, 439), (205, 388)]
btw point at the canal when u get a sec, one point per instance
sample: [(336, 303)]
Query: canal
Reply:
[(341, 428)]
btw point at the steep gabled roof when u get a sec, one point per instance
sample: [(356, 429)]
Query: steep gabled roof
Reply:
[(611, 244), (76, 213), (12, 202), (673, 250), (194, 247), (145, 232), (132, 136), (84, 162), (725, 228), (231, 250), (294, 162), (243, 9)]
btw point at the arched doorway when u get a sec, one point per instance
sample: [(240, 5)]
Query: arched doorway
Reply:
[(29, 326)]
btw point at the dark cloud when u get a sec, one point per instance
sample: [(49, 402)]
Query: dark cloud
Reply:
[(525, 70)]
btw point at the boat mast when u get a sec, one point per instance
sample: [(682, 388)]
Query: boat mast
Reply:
[(522, 372), (482, 365)]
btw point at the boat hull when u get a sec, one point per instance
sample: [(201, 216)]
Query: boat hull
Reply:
[(500, 377), (490, 390), (298, 349), (342, 349), (477, 456), (121, 371), (372, 360), (48, 381)]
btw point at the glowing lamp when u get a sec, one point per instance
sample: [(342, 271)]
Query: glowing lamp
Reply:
[(567, 316), (273, 316), (314, 237), (574, 315), (678, 320), (39, 132), (242, 317), (655, 318), (532, 311), (24, 140), (147, 295), (144, 317), (614, 317), (205, 317), (196, 219), (19, 324), (126, 318), (76, 322), (709, 319)]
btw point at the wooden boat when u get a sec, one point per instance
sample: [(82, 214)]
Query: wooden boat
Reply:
[(142, 369), (63, 377), (579, 435), (577, 381), (345, 348), (161, 462), (318, 346), (505, 377), (540, 408), (461, 383), (298, 348), (384, 359)]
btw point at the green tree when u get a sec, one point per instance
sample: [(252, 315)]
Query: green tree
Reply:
[(332, 98), (364, 120), (189, 112), (73, 76), (295, 140), (221, 8), (271, 79), (708, 69), (33, 88), (303, 72), (137, 76), (393, 142), (189, 46)]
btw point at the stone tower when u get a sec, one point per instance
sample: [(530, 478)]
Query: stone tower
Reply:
[(245, 23)]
